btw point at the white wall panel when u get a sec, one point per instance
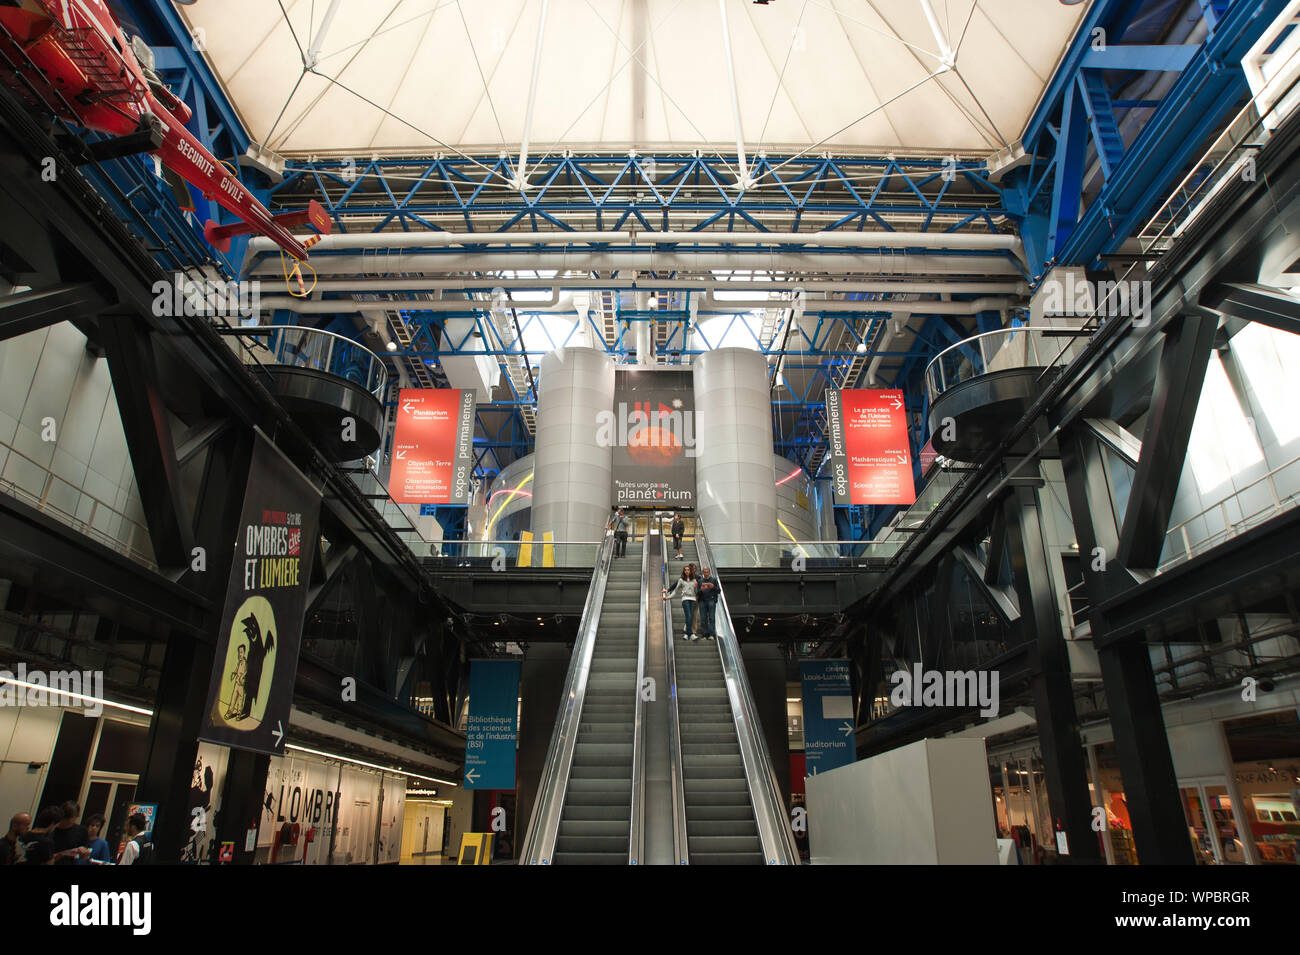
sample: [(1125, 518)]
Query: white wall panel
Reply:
[(923, 804)]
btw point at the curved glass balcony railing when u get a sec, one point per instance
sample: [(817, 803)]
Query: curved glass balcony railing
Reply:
[(315, 349), (989, 352)]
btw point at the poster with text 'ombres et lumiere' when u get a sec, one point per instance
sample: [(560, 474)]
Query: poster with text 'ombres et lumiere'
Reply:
[(256, 661)]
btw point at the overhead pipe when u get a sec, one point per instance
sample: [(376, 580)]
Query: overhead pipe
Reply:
[(659, 285), (302, 306), (878, 263), (978, 241), (971, 307), (897, 325), (564, 303)]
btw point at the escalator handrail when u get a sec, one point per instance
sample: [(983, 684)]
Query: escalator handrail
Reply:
[(636, 817), (676, 772), (544, 821), (765, 796)]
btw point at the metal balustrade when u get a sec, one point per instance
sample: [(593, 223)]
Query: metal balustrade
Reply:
[(295, 346), (71, 505), (1024, 346), (1234, 515)]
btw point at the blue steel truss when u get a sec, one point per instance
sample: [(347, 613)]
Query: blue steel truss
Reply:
[(650, 193), (1098, 161)]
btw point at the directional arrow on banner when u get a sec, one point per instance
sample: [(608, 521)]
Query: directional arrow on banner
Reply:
[(401, 455), (406, 406), (471, 775), (847, 728), (902, 459), (898, 402), (278, 732)]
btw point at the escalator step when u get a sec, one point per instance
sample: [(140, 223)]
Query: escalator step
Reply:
[(595, 828), (697, 828), (738, 812), (593, 844), (727, 858), (590, 858), (724, 844), (575, 812)]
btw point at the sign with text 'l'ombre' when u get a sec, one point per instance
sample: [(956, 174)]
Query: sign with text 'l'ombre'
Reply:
[(433, 446), (871, 458)]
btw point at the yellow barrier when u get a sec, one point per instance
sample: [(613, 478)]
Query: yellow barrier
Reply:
[(475, 849)]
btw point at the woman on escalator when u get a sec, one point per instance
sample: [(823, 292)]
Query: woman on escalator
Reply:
[(686, 586)]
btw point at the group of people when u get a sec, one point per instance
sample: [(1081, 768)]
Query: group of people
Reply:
[(699, 594), (697, 589), (58, 837)]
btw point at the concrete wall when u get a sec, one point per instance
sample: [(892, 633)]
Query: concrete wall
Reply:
[(50, 374)]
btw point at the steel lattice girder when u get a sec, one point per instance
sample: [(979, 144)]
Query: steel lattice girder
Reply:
[(650, 193)]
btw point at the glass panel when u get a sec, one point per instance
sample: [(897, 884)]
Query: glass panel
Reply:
[(1198, 826), (1117, 818), (122, 747), (116, 835), (96, 800), (1226, 825)]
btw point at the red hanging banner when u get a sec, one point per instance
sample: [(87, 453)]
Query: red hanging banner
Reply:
[(432, 446), (876, 448)]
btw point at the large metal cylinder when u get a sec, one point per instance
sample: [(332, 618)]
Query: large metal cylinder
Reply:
[(734, 475), (573, 476)]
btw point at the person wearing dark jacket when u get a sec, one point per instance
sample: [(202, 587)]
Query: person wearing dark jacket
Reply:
[(678, 531), (68, 835), (707, 592), (620, 525)]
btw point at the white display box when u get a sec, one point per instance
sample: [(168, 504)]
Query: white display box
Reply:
[(928, 803)]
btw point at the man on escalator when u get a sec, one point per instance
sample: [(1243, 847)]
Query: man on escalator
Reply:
[(620, 524), (707, 593)]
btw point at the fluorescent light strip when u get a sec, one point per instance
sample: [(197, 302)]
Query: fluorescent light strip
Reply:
[(360, 762), (790, 477), (144, 712), (75, 696)]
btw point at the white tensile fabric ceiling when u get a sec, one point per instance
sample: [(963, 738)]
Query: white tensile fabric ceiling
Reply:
[(424, 76)]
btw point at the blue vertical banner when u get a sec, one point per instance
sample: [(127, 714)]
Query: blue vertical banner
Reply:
[(827, 715), (493, 728)]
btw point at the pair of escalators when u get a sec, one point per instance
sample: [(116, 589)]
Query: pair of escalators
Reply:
[(657, 756)]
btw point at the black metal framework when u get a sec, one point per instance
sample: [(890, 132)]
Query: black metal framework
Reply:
[(189, 409)]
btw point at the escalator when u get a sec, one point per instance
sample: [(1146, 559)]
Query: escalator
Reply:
[(595, 825), (583, 814), (733, 811), (720, 825), (605, 784)]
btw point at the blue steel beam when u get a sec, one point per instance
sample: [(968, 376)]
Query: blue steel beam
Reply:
[(1204, 97), (1077, 119)]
